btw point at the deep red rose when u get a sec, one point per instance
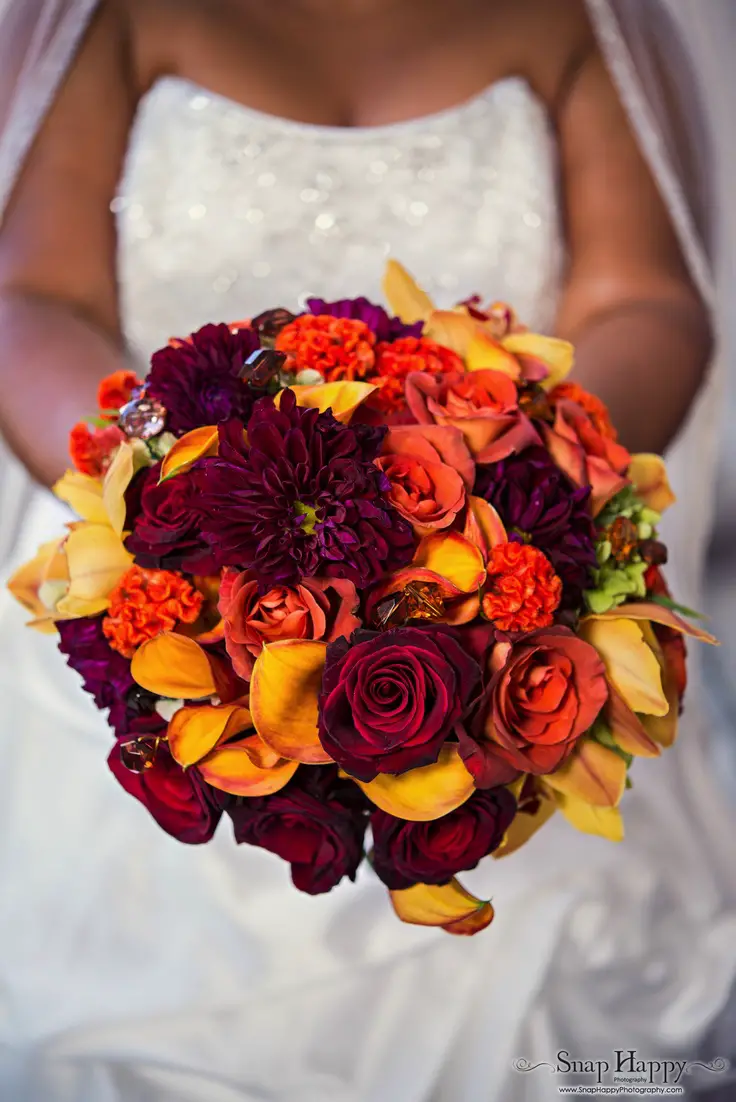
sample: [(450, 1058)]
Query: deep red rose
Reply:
[(317, 823), (432, 853), (175, 797), (166, 526), (390, 700)]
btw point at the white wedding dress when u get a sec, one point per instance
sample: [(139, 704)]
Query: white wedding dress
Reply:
[(136, 969)]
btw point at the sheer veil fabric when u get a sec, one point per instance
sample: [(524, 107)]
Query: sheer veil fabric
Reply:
[(650, 947)]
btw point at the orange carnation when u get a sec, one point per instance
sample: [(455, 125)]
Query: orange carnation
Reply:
[(91, 452), (395, 360), (593, 406), (116, 390), (146, 602), (524, 591), (339, 348)]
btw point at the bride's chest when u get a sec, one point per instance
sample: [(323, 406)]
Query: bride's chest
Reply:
[(224, 211)]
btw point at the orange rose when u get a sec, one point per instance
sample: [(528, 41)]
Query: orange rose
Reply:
[(316, 609), (586, 456), (430, 470), (545, 692), (483, 405)]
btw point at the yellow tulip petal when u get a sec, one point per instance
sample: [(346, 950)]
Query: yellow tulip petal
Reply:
[(483, 525), (188, 449), (453, 329), (404, 295), (426, 793), (97, 560), (604, 821), (84, 495), (557, 355), (648, 474), (593, 773), (342, 398), (484, 352), (524, 826), (454, 557), (117, 480), (247, 768), (447, 905), (172, 665), (630, 663), (655, 614), (284, 691), (195, 730)]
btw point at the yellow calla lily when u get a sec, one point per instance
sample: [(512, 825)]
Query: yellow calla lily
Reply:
[(656, 614), (648, 475), (593, 773), (630, 663), (84, 495), (343, 398), (173, 666), (604, 821), (426, 793), (195, 730), (449, 906), (404, 295), (453, 557), (556, 355), (188, 449), (284, 692), (247, 768)]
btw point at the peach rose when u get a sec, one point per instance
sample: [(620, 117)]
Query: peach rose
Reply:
[(316, 609), (586, 455), (483, 405), (430, 470), (545, 692)]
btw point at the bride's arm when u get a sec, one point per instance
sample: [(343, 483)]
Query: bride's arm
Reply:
[(642, 332), (59, 325)]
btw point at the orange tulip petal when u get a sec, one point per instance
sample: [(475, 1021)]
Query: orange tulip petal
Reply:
[(195, 730), (449, 906), (592, 773), (284, 691), (247, 768), (648, 474), (188, 449), (423, 794), (173, 666), (454, 557)]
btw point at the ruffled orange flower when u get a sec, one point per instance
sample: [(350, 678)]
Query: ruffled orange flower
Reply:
[(593, 406), (395, 360), (339, 348), (524, 591), (145, 603), (91, 452), (116, 389)]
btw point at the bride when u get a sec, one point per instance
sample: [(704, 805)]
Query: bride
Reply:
[(164, 164)]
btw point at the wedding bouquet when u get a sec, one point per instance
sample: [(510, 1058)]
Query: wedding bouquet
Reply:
[(343, 575)]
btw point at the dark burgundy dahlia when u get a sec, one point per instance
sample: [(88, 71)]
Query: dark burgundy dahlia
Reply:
[(375, 317), (104, 672), (301, 497), (539, 504), (198, 380)]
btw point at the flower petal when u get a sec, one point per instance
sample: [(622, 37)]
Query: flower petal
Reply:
[(555, 355), (96, 559), (247, 768), (188, 449), (454, 557), (404, 295), (449, 906), (631, 665), (656, 614), (117, 480), (453, 329), (525, 825), (592, 773), (172, 665), (649, 477), (343, 398), (628, 729), (84, 495), (604, 821), (483, 525), (284, 692), (426, 793), (485, 353), (47, 565), (196, 729)]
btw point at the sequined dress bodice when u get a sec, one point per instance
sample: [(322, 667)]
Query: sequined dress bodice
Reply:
[(224, 211)]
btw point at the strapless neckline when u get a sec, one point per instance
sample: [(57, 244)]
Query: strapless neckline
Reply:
[(496, 89)]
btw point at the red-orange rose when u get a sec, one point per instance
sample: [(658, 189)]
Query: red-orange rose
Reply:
[(586, 456), (545, 692), (591, 403), (430, 470), (482, 404), (317, 608)]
